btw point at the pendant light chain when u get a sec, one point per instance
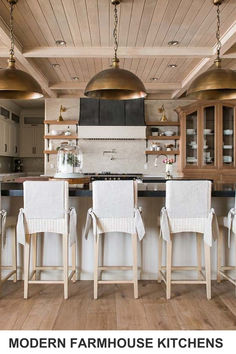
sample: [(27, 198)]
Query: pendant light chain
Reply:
[(115, 35), (11, 33), (218, 45)]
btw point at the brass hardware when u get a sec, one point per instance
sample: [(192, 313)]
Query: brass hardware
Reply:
[(115, 83), (62, 109), (163, 111), (14, 83), (217, 83)]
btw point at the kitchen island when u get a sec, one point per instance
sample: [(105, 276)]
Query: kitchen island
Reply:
[(151, 202)]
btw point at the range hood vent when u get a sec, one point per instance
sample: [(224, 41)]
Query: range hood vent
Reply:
[(111, 113), (109, 119), (111, 133)]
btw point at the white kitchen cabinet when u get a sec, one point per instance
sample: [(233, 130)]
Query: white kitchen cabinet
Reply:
[(31, 140), (14, 139), (8, 138)]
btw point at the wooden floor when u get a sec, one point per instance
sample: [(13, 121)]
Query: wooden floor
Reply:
[(116, 307)]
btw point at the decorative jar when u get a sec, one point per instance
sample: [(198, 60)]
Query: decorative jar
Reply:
[(69, 161)]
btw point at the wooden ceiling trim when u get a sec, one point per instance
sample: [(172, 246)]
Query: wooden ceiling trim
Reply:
[(136, 15), (209, 20), (98, 64), (134, 65), (104, 22), (82, 15), (125, 18), (198, 19), (166, 21), (148, 67), (71, 15), (158, 14), (187, 21), (28, 16), (62, 22), (228, 15), (21, 28), (92, 10), (141, 67), (50, 16), (177, 21), (146, 19), (41, 20)]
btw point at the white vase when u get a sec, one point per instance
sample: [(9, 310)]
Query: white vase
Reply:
[(169, 170)]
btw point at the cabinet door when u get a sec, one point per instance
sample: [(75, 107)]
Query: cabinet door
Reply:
[(39, 140), (209, 136), (228, 134), (192, 141), (2, 142), (6, 138), (14, 140), (27, 141)]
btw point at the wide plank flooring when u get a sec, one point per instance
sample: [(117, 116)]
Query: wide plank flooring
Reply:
[(116, 308)]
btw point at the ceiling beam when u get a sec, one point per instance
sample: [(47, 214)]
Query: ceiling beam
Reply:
[(123, 52), (28, 65), (150, 86), (227, 41)]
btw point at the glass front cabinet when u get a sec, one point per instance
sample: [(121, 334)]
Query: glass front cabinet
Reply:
[(207, 145)]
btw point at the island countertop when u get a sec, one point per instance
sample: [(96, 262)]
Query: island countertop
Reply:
[(13, 189)]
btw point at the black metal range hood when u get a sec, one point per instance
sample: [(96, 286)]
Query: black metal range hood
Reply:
[(111, 113)]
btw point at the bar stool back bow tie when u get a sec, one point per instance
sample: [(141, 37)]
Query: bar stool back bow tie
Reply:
[(46, 210), (115, 210), (188, 209)]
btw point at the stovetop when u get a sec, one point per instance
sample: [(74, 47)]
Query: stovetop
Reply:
[(106, 175)]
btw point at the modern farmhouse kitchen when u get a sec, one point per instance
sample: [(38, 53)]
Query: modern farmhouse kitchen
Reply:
[(117, 164)]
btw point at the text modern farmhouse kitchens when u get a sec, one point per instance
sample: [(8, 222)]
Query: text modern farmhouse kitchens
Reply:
[(118, 167)]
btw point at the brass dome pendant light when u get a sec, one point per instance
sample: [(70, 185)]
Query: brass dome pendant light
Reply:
[(14, 83), (115, 83), (218, 83)]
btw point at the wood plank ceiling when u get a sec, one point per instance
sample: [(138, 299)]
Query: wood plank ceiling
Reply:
[(145, 27)]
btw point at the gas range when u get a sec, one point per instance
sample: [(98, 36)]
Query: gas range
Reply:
[(108, 176)]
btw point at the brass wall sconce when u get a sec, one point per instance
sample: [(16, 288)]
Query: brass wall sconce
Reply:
[(62, 109), (163, 111)]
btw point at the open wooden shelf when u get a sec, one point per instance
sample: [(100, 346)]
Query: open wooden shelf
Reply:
[(50, 152), (61, 137), (164, 137), (163, 124), (162, 152), (64, 122)]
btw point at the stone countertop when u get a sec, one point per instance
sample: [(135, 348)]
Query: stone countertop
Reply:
[(13, 189)]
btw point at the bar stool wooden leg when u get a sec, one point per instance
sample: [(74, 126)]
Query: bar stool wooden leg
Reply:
[(34, 254), (14, 255), (96, 250), (159, 276), (219, 253), (135, 264), (74, 261), (26, 265), (65, 265), (168, 268), (199, 254), (208, 269)]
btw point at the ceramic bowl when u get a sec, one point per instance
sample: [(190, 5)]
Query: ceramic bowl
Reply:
[(169, 133), (57, 132)]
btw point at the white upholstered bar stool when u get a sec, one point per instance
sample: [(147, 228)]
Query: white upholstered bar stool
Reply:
[(188, 209), (46, 210), (7, 222), (226, 223), (115, 210)]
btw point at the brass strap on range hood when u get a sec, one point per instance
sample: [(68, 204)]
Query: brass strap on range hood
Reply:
[(217, 83)]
